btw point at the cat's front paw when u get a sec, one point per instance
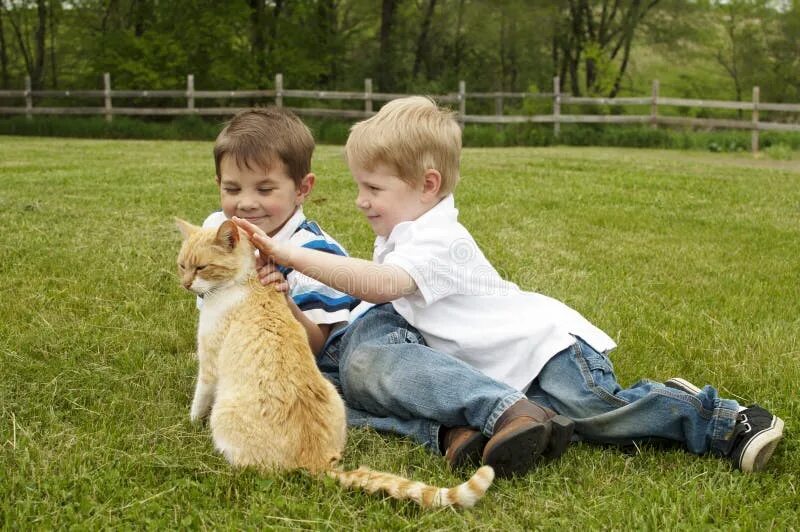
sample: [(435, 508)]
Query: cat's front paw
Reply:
[(201, 402), (197, 414)]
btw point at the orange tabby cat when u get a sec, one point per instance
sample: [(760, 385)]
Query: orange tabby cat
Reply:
[(270, 406)]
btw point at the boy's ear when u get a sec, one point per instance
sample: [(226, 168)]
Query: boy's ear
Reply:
[(186, 228), (432, 183), (304, 188), (227, 235)]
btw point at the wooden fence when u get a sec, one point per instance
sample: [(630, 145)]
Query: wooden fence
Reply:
[(277, 95)]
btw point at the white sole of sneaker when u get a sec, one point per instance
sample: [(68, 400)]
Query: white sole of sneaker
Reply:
[(759, 449), (682, 384)]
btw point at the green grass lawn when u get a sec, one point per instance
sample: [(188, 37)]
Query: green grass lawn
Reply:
[(689, 260)]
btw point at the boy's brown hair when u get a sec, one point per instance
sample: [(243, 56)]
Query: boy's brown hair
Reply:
[(411, 135), (263, 136)]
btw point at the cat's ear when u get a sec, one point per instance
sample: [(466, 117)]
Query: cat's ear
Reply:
[(186, 228), (228, 235)]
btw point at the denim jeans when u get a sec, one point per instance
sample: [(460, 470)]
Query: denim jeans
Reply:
[(391, 381), (579, 383)]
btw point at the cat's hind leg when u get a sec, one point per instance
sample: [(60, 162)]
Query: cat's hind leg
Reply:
[(245, 440)]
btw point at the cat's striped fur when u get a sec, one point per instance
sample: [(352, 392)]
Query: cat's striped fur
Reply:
[(270, 406)]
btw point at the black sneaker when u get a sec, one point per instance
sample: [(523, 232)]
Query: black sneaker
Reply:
[(678, 383), (755, 436)]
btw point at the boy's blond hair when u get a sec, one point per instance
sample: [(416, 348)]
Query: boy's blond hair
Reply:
[(261, 137), (411, 135)]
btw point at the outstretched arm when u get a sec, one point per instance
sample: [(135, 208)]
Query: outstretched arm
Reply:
[(375, 283)]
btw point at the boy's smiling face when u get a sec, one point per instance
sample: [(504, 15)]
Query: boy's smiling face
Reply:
[(386, 200), (267, 198)]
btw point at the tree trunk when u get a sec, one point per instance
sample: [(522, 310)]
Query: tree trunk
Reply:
[(110, 8), (608, 27), (575, 44), (140, 12), (34, 59), (386, 64), (37, 75), (258, 41), (53, 63), (3, 51), (422, 41), (458, 44), (513, 67), (621, 72), (274, 24), (587, 18), (329, 41), (499, 84)]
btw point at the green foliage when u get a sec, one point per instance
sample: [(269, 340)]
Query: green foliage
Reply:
[(780, 152), (622, 136), (322, 44), (331, 131), (183, 128), (697, 49), (605, 69), (682, 257)]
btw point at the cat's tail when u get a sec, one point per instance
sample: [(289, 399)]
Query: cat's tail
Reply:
[(464, 495)]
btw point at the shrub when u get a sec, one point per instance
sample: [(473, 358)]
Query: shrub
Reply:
[(332, 131)]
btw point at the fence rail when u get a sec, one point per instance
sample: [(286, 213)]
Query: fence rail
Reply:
[(558, 117)]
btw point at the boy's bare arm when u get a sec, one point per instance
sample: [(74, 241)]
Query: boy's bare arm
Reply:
[(317, 332), (375, 283)]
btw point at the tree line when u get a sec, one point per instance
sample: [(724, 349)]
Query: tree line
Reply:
[(699, 48)]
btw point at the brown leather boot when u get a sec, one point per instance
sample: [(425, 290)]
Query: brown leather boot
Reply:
[(462, 445), (560, 436), (522, 434)]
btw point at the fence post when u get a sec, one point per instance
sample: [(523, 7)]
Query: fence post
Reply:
[(107, 94), (498, 110), (368, 95), (754, 134), (190, 91), (556, 107), (28, 99), (462, 102), (654, 106), (279, 90)]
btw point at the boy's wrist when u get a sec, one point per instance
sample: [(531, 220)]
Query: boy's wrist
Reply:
[(277, 252), (282, 254)]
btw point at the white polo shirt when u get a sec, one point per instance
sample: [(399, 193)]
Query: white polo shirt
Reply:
[(465, 309)]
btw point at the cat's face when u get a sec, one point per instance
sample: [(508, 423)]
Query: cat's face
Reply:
[(210, 259)]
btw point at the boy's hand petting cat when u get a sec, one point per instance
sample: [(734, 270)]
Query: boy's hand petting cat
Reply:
[(268, 274), (268, 248)]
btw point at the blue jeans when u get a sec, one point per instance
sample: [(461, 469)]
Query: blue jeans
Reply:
[(579, 383), (392, 381)]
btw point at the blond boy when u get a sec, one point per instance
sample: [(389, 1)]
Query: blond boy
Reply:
[(491, 342)]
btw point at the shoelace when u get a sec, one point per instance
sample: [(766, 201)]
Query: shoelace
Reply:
[(742, 425), (741, 429)]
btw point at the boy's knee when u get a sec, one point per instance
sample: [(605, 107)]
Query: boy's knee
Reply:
[(371, 364), (360, 365), (355, 365)]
